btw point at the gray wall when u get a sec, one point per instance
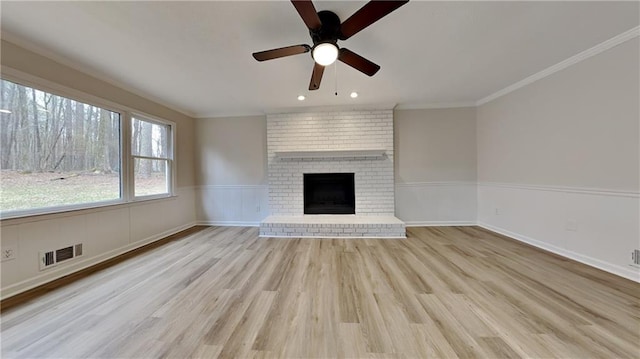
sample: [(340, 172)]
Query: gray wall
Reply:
[(578, 127), (558, 161), (436, 166), (434, 156), (231, 151), (435, 145), (108, 231)]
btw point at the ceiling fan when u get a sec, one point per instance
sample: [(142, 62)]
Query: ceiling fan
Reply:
[(326, 29)]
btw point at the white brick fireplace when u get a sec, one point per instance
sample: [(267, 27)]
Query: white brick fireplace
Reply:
[(359, 142)]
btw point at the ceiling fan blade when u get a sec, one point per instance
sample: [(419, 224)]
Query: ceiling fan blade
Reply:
[(316, 76), (308, 13), (367, 15), (358, 62), (281, 52)]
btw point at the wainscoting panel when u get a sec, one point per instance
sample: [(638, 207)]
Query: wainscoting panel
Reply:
[(597, 227), (436, 203), (231, 205), (104, 233)]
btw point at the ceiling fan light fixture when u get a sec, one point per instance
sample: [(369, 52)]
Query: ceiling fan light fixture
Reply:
[(325, 29), (325, 53)]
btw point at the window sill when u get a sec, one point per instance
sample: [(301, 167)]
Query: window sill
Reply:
[(58, 212)]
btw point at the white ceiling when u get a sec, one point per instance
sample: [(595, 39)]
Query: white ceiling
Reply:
[(196, 56)]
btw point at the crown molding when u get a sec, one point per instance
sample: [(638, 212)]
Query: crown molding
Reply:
[(602, 47), (434, 106), (231, 114), (308, 109), (62, 60), (343, 108)]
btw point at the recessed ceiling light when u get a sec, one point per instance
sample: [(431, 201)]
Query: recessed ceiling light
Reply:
[(301, 98), (354, 94)]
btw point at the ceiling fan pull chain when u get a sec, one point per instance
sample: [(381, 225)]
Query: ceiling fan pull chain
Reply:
[(335, 64), (326, 29)]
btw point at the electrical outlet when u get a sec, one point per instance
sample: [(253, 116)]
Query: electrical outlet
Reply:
[(571, 225), (8, 253), (258, 208), (498, 211)]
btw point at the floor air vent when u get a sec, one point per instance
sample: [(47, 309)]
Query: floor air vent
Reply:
[(635, 256), (52, 258)]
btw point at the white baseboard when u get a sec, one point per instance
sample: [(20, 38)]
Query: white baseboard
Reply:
[(228, 223), (71, 268), (332, 237), (439, 223), (408, 224), (607, 267)]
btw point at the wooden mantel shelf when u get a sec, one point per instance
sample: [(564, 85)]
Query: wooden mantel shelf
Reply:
[(331, 154)]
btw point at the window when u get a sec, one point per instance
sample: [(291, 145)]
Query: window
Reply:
[(56, 151), (151, 149)]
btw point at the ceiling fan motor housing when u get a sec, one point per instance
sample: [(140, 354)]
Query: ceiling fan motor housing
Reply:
[(326, 29), (330, 29)]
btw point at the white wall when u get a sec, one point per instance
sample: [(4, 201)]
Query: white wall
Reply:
[(107, 231), (435, 161), (558, 161), (231, 170)]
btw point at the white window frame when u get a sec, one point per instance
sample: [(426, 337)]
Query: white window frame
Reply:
[(126, 159), (170, 157)]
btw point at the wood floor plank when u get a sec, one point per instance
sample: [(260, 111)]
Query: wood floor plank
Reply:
[(347, 288), (462, 342), (497, 348), (298, 334), (242, 338), (474, 317), (207, 351), (351, 342), (224, 292), (430, 342), (324, 304), (398, 327)]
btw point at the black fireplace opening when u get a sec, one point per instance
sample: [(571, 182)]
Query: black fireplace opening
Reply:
[(329, 193)]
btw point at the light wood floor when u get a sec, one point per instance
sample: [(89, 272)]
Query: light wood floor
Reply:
[(443, 292)]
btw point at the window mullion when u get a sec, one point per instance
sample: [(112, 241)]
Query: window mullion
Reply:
[(127, 165), (171, 162)]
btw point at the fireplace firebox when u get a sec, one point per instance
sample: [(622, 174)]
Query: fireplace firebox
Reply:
[(329, 193)]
